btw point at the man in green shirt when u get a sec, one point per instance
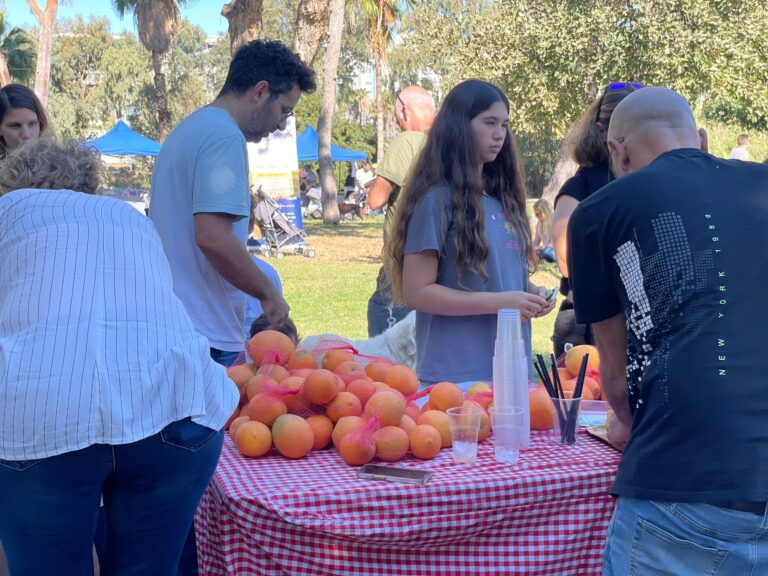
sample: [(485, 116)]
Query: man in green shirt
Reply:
[(415, 112)]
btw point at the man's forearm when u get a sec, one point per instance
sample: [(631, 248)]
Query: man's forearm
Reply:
[(611, 340)]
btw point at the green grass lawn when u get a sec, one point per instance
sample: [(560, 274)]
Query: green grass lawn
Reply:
[(329, 293)]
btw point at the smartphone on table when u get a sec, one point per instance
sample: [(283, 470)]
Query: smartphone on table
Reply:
[(385, 473)]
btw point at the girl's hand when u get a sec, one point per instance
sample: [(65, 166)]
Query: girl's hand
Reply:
[(529, 304), (550, 305)]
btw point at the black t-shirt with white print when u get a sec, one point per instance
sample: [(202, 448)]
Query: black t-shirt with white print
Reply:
[(681, 249)]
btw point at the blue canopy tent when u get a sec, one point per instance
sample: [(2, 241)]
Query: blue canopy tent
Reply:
[(122, 141), (306, 147)]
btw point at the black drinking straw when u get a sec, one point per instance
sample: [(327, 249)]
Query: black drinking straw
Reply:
[(556, 375), (544, 381), (573, 410), (551, 388)]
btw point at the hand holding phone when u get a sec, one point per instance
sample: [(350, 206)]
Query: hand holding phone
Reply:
[(551, 294)]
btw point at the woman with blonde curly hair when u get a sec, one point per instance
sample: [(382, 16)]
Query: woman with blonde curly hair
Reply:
[(106, 389)]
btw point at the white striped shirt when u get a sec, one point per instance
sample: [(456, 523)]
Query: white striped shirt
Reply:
[(95, 348)]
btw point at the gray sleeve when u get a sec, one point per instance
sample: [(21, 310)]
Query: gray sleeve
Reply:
[(428, 227)]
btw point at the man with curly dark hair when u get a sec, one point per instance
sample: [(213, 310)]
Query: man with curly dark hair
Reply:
[(200, 194), (200, 200)]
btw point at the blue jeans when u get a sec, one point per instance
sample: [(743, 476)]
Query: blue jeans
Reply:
[(679, 539), (547, 254), (223, 357), (151, 489)]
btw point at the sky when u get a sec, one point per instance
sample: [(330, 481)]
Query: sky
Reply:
[(203, 13)]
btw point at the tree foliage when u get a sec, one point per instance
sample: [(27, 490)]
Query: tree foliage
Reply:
[(17, 48)]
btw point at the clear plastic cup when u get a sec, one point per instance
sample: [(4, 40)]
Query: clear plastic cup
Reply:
[(566, 420), (465, 425), (508, 426)]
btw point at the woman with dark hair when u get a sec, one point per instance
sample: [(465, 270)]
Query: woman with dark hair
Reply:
[(588, 147), (22, 117), (461, 245)]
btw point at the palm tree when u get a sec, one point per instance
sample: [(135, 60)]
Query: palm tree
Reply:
[(327, 109), (17, 54), (383, 17), (244, 18), (45, 19), (157, 22)]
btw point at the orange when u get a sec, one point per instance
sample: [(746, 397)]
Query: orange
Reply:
[(253, 439), (407, 423), (255, 384), (377, 369), (425, 441), (293, 436), (297, 404), (445, 395), (402, 379), (301, 358), (291, 385), (265, 408), (344, 425), (279, 373), (269, 347), (235, 424), (344, 404), (441, 422), (333, 358), (357, 448), (349, 371), (322, 427), (574, 356), (320, 387), (425, 408), (476, 388), (303, 372), (392, 443), (413, 410), (239, 374), (542, 410), (386, 405), (362, 388), (381, 386)]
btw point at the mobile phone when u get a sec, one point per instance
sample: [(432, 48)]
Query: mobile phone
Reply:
[(394, 474), (551, 294)]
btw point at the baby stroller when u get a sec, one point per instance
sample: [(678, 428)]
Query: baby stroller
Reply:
[(279, 235)]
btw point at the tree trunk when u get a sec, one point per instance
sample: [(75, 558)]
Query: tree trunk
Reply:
[(311, 24), (379, 105), (327, 109), (5, 75), (564, 169), (244, 17), (161, 96), (45, 20)]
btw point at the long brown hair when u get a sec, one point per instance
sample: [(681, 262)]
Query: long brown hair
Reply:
[(449, 158), (18, 96), (586, 145)]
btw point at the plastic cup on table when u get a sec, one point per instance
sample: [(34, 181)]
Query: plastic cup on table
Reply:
[(566, 420), (508, 425), (465, 426)]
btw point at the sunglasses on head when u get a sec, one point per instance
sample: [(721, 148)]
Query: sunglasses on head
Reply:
[(615, 87)]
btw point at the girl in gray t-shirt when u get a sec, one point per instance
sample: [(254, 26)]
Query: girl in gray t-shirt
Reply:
[(461, 246)]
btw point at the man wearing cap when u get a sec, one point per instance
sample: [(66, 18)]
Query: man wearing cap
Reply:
[(415, 112), (660, 271)]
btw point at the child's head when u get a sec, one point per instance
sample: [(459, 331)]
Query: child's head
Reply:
[(743, 140), (289, 328), (542, 209), (471, 150)]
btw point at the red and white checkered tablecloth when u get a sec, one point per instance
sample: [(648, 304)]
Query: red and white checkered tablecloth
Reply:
[(546, 515)]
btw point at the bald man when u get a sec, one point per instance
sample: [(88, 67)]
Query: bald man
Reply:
[(661, 266), (415, 112)]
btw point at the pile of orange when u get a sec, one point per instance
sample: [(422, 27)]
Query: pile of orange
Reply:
[(295, 403)]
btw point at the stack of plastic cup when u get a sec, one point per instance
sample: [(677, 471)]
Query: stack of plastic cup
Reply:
[(510, 369)]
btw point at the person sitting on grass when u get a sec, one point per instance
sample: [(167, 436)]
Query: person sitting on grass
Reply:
[(542, 232)]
